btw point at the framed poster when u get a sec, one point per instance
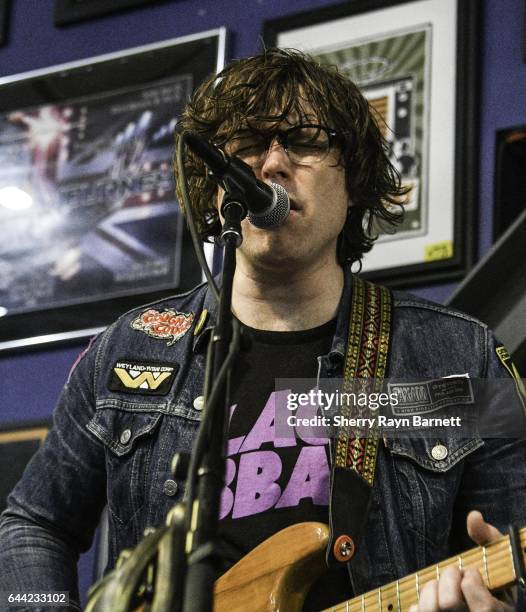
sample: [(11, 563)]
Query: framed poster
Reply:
[(89, 223), (421, 80), (17, 445), (4, 15), (71, 11)]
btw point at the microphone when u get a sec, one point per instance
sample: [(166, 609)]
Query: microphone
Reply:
[(268, 205)]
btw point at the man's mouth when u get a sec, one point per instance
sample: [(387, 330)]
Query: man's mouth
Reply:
[(294, 205)]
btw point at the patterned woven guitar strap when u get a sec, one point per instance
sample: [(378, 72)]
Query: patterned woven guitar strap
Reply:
[(355, 449)]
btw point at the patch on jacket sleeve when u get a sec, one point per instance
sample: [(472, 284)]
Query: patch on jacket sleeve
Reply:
[(430, 395), (166, 324), (142, 377), (506, 361)]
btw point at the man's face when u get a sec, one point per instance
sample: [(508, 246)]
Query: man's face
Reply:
[(319, 201)]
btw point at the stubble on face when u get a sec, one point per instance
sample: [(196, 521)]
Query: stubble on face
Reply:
[(308, 237), (288, 277)]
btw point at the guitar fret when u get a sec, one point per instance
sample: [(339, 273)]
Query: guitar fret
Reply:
[(496, 558), (485, 560), (511, 557)]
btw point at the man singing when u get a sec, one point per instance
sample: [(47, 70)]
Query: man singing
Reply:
[(307, 128)]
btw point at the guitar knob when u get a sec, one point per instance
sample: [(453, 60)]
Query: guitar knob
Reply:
[(344, 549)]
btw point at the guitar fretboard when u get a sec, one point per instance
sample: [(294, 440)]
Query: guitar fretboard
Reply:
[(494, 563)]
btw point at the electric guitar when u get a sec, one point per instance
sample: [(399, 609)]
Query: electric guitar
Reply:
[(278, 573)]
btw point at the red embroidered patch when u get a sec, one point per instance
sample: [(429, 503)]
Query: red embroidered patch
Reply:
[(168, 324)]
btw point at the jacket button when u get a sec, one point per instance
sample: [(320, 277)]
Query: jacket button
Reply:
[(199, 402), (170, 488), (125, 436), (439, 452)]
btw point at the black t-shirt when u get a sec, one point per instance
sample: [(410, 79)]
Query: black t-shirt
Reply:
[(273, 482)]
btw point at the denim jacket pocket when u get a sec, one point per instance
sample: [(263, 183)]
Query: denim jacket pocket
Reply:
[(427, 473), (126, 431)]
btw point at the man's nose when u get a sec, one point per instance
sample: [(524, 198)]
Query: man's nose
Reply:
[(276, 161)]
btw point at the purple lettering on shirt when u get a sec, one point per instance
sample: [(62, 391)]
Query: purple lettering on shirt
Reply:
[(310, 478), (264, 431), (257, 489), (309, 433), (227, 497), (234, 443), (254, 488)]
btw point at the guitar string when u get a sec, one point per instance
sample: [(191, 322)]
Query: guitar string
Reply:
[(499, 571), (408, 598), (370, 600), (495, 552), (427, 574), (409, 595)]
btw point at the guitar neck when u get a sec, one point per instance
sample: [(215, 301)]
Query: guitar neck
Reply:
[(494, 562)]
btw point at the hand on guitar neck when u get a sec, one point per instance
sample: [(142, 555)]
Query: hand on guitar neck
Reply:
[(464, 589), (277, 574)]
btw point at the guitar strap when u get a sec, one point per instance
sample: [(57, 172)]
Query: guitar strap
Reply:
[(355, 449)]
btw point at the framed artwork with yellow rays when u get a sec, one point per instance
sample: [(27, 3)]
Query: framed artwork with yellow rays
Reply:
[(416, 63)]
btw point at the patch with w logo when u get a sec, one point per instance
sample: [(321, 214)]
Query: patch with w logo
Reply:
[(142, 377)]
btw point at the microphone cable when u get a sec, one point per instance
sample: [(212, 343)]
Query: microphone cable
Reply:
[(196, 238)]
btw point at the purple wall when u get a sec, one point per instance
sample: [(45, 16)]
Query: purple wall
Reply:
[(31, 382), (503, 100)]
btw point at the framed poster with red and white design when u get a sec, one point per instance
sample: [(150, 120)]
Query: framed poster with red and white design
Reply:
[(89, 222)]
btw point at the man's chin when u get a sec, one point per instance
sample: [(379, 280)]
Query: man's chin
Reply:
[(277, 260)]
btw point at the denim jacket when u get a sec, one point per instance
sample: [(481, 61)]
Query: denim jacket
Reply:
[(113, 445)]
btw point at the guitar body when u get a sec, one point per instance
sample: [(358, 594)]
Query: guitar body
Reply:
[(277, 574)]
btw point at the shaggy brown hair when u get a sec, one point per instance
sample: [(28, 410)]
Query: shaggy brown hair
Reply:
[(279, 84)]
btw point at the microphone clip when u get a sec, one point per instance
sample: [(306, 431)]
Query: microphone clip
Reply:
[(233, 210)]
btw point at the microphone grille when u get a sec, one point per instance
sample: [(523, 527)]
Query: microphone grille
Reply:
[(275, 214)]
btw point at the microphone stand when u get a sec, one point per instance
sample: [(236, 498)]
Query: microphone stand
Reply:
[(201, 538), (175, 567)]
